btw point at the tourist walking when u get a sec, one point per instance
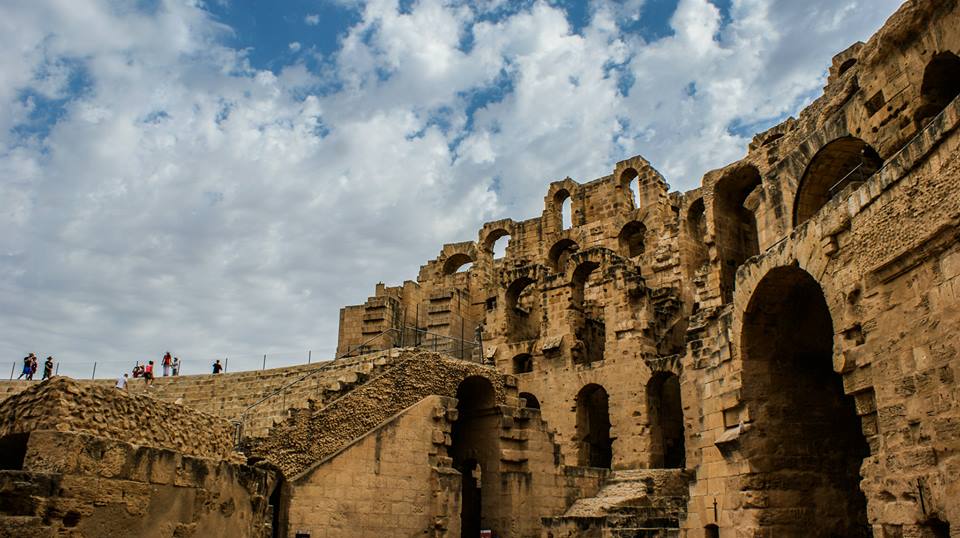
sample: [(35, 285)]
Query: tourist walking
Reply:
[(217, 367), (33, 366), (47, 369), (148, 374), (166, 363), (176, 366)]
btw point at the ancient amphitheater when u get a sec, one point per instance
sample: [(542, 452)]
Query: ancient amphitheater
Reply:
[(773, 354)]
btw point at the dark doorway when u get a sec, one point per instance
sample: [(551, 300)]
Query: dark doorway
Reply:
[(665, 413), (593, 427), (941, 84), (278, 522), (474, 451), (711, 531), (806, 445), (529, 400), (587, 303)]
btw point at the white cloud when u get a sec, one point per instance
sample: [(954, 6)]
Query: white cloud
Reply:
[(294, 46), (312, 19), (185, 200)]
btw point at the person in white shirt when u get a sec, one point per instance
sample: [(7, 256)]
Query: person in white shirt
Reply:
[(122, 382)]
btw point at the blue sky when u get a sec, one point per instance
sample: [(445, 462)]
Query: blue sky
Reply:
[(219, 177)]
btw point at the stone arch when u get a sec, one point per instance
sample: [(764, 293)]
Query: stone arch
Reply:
[(595, 446), (696, 223), (453, 263), (940, 85), (522, 363), (630, 185), (529, 400), (560, 253), (665, 419), (631, 239), (564, 204), (522, 313), (844, 161), (735, 224), (474, 452), (795, 404), (492, 238), (586, 312)]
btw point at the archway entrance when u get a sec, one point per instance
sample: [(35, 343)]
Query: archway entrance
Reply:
[(845, 161), (474, 452), (941, 84), (593, 427), (806, 445), (735, 224), (665, 414)]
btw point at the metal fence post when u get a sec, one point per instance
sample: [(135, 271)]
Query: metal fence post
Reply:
[(309, 355), (12, 368), (264, 362), (94, 376), (226, 361), (56, 371)]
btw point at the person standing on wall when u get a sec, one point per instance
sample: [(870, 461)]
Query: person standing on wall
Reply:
[(47, 368), (148, 374), (166, 363), (26, 367), (33, 366), (217, 367), (176, 366)]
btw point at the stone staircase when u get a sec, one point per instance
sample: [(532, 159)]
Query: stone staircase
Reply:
[(640, 503)]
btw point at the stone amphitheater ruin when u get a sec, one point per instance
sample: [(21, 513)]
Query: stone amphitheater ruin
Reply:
[(773, 354)]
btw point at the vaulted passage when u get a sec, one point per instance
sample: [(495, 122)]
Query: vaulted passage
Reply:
[(522, 311), (587, 314), (593, 427), (665, 414), (804, 444), (843, 162), (474, 453), (941, 84), (735, 223)]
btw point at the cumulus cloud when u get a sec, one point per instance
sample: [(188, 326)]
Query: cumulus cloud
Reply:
[(312, 20), (162, 193)]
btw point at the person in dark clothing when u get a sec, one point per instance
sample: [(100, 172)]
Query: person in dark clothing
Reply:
[(217, 367), (47, 368)]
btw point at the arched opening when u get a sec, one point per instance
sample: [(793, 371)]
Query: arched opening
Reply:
[(586, 314), (935, 528), (529, 400), (665, 414), (474, 453), (735, 224), (696, 234), (523, 363), (630, 182), (805, 445), (846, 65), (631, 239), (562, 201), (560, 253), (845, 161), (496, 243), (941, 84), (711, 531), (522, 311), (457, 263), (593, 427), (278, 510)]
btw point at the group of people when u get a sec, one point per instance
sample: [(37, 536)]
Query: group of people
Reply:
[(170, 365), (30, 368)]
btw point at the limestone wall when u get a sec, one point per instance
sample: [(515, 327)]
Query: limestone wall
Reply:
[(80, 485), (65, 405)]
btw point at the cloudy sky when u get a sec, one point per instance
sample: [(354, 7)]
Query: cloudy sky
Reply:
[(218, 177)]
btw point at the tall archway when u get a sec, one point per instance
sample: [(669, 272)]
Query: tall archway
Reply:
[(630, 183), (843, 162), (665, 413), (798, 409), (631, 239), (564, 205), (696, 247), (593, 427), (587, 318), (496, 243), (474, 453), (560, 253), (941, 84), (529, 400), (735, 224), (456, 263), (522, 310)]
